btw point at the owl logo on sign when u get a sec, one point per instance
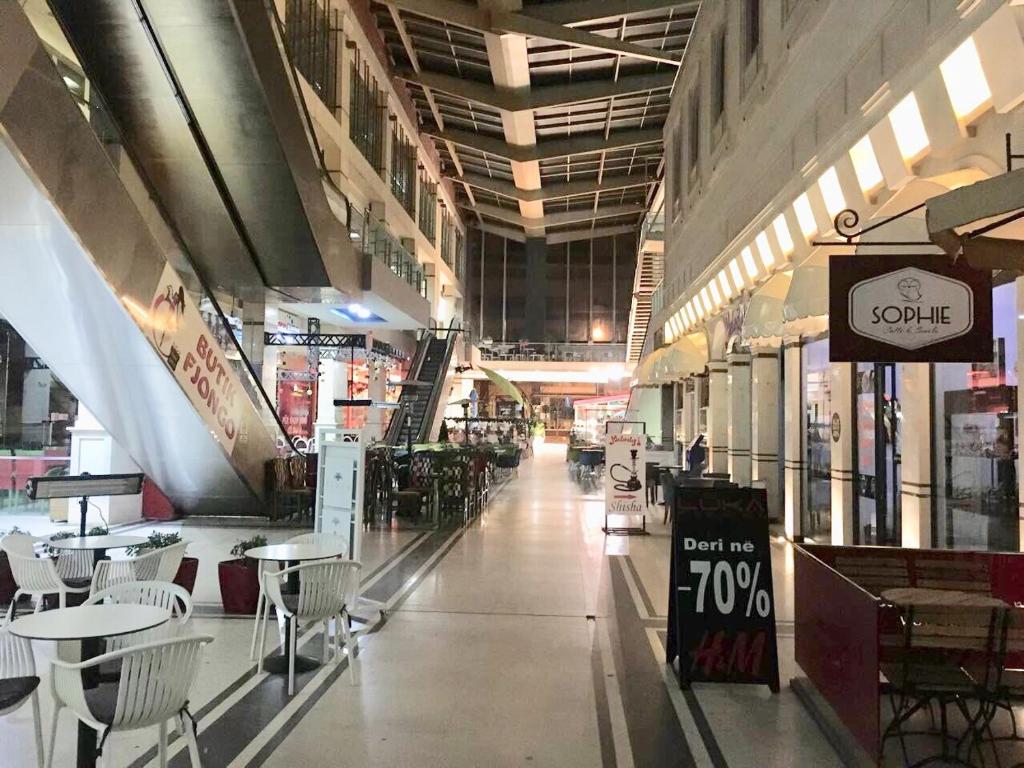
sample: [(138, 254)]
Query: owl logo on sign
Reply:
[(909, 289)]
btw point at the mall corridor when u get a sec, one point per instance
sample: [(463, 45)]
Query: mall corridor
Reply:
[(527, 638)]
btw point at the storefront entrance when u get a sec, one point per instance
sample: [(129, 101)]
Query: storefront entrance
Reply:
[(877, 455), (817, 507)]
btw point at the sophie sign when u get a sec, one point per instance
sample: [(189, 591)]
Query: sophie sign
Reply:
[(892, 308)]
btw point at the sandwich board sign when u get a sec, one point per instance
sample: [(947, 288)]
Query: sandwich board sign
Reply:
[(721, 611)]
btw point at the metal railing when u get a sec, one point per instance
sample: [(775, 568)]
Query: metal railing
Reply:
[(372, 237), (554, 352)]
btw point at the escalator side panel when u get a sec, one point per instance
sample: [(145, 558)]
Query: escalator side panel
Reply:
[(75, 255)]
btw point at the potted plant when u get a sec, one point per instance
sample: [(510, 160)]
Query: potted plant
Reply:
[(189, 568), (96, 530), (239, 578)]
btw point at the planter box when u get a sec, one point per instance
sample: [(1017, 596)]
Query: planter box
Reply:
[(186, 575), (239, 585)]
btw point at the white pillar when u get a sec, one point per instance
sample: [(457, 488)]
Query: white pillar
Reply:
[(376, 390), (93, 450), (739, 418), (844, 432), (718, 418), (914, 391), (333, 386), (793, 443), (764, 428)]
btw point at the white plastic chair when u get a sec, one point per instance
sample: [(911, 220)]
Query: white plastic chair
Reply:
[(159, 594), (19, 682), (326, 590), (35, 576), (155, 565), (153, 687), (262, 604)]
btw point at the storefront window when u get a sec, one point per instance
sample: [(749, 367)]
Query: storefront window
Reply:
[(817, 512), (877, 482), (976, 442)]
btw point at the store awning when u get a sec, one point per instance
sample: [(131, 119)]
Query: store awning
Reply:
[(808, 290), (681, 359), (764, 317), (644, 372), (961, 220)]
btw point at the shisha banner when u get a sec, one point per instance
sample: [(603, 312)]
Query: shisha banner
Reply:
[(625, 456)]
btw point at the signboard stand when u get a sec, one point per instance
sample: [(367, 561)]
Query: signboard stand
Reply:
[(721, 608), (625, 494)]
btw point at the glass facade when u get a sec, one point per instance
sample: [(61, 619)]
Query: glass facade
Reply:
[(403, 170), (975, 442), (877, 451), (368, 107), (817, 506), (313, 31)]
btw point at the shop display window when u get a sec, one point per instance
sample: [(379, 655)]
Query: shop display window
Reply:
[(877, 451), (817, 508), (976, 442)]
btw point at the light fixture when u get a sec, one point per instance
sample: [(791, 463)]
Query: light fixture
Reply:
[(764, 250), (782, 235), (359, 311), (748, 263), (598, 333), (832, 192), (737, 277), (911, 136), (965, 81), (723, 281), (354, 236), (865, 166), (805, 216)]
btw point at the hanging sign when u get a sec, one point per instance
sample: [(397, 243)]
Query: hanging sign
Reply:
[(895, 308), (721, 611), (184, 341)]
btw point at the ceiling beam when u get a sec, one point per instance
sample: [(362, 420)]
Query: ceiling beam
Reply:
[(588, 233), (500, 22), (572, 12), (551, 148), (557, 218), (552, 191), (507, 232), (542, 97), (532, 27)]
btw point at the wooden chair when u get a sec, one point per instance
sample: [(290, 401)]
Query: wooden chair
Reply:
[(930, 668), (875, 573), (960, 575)]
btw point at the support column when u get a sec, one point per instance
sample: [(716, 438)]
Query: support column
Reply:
[(843, 420), (764, 427), (333, 386), (914, 381), (793, 441), (739, 429), (253, 323), (718, 417)]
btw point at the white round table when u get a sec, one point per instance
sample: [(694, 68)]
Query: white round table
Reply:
[(292, 554), (296, 553), (87, 624), (97, 542)]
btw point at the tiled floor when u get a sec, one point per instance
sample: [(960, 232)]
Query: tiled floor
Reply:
[(528, 638)]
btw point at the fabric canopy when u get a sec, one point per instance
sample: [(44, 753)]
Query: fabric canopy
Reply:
[(681, 359), (764, 318), (506, 386), (644, 372)]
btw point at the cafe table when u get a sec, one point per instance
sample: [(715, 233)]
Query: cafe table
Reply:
[(83, 629), (98, 544), (289, 555)]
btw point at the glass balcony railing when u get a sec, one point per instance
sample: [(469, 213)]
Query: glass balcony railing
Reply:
[(372, 237), (553, 352)]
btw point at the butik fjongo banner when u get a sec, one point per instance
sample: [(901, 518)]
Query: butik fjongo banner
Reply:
[(177, 330), (897, 308)]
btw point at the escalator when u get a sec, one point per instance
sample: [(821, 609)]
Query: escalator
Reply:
[(99, 283), (212, 114), (424, 396)]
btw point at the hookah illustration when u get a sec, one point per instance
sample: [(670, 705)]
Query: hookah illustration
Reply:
[(631, 483)]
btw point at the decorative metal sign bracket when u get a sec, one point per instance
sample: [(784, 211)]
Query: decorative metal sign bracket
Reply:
[(846, 221)]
